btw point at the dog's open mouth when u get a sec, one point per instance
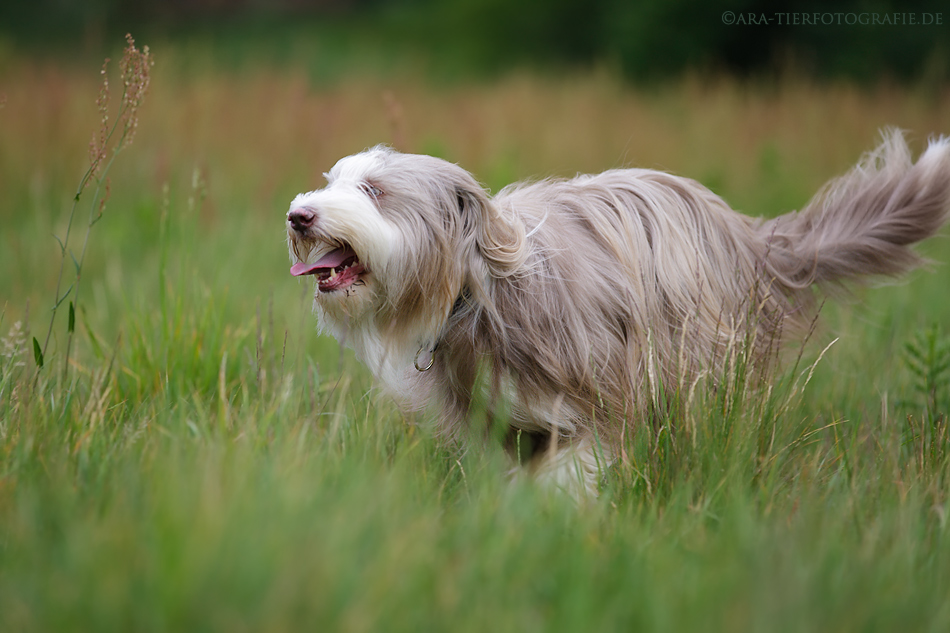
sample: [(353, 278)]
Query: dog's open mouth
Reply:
[(337, 270)]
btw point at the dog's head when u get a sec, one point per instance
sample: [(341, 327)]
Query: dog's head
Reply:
[(398, 238)]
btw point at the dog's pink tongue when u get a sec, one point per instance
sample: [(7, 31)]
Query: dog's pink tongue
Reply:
[(301, 269), (330, 260)]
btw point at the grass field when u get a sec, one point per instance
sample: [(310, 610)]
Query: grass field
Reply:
[(195, 457)]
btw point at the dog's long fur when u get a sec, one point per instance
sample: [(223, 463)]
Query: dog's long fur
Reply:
[(579, 298)]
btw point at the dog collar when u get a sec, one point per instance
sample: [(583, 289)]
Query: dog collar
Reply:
[(456, 308)]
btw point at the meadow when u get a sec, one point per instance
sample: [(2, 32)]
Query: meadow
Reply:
[(193, 456)]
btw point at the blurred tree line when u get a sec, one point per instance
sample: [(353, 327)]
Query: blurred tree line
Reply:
[(646, 39)]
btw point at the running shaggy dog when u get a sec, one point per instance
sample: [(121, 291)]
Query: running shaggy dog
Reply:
[(575, 301)]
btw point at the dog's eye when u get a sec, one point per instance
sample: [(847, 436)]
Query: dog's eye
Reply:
[(371, 190)]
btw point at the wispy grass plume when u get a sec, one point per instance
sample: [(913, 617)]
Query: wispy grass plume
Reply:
[(106, 144)]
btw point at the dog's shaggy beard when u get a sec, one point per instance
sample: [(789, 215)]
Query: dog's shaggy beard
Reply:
[(583, 299)]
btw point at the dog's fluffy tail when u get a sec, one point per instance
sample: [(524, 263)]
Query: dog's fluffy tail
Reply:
[(863, 223)]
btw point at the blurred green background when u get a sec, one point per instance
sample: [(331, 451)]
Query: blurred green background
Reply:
[(647, 39)]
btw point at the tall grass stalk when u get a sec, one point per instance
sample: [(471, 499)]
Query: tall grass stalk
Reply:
[(927, 358), (105, 146)]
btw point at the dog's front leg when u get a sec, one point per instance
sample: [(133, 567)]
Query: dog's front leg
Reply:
[(574, 466)]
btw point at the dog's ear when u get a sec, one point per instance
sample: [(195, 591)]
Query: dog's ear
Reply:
[(498, 238)]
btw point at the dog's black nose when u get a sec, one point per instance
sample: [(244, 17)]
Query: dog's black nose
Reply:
[(301, 219)]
